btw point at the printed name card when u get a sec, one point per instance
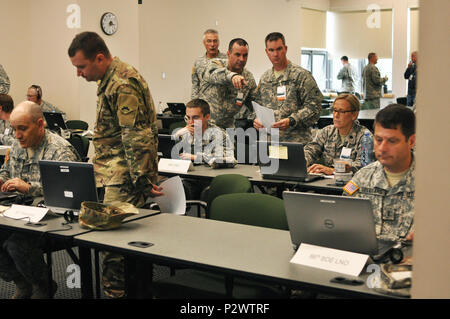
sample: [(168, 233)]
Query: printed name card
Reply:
[(174, 165), (340, 261)]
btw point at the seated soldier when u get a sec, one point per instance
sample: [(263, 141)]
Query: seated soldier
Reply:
[(6, 131), (344, 135), (390, 182), (21, 257), (34, 94), (203, 142)]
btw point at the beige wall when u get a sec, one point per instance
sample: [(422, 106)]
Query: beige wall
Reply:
[(171, 37), (431, 275)]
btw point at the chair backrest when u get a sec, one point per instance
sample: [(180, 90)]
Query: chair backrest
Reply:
[(81, 144), (77, 124), (176, 125), (227, 184), (401, 100), (250, 209)]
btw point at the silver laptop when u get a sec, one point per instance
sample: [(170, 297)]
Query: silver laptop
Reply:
[(331, 221), (67, 184), (289, 162)]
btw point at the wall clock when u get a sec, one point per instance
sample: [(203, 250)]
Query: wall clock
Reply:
[(109, 23)]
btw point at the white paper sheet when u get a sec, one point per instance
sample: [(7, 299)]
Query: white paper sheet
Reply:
[(264, 115), (174, 199), (27, 213)]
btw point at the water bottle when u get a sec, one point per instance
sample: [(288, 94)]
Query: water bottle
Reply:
[(366, 150)]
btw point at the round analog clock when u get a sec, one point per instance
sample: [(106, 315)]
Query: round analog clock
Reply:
[(109, 23)]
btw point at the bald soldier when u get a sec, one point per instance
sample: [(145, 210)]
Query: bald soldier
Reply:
[(21, 255)]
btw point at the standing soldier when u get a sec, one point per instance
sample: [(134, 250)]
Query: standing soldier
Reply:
[(125, 135), (372, 82), (291, 92), (4, 81), (211, 43), (228, 87)]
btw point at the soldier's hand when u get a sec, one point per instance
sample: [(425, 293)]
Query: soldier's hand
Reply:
[(156, 191), (282, 124), (257, 124), (317, 168), (238, 81), (15, 184), (187, 156)]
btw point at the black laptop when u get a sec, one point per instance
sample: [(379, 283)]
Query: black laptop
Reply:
[(284, 161), (331, 221), (67, 184), (177, 108), (55, 121)]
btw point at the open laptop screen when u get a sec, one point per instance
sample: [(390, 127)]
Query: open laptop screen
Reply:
[(177, 108), (55, 121), (67, 184)]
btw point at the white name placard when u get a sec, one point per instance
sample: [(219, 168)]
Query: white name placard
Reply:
[(340, 261), (174, 165)]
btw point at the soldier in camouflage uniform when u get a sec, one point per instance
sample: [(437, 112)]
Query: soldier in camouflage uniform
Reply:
[(330, 141), (228, 87), (125, 136), (211, 43), (6, 131), (21, 257), (203, 142), (372, 82), (34, 94), (291, 92), (390, 182), (4, 81)]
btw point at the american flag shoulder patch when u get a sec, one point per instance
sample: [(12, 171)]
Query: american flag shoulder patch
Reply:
[(350, 188)]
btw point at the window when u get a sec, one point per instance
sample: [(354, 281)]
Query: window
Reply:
[(316, 61)]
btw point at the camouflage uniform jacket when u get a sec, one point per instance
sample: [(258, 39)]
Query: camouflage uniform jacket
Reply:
[(47, 107), (198, 69), (218, 90), (4, 81), (18, 165), (328, 145), (347, 75), (125, 133), (372, 82), (6, 133), (302, 103), (213, 147), (393, 207)]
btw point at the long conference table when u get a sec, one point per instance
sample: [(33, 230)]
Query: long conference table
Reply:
[(204, 172), (257, 253)]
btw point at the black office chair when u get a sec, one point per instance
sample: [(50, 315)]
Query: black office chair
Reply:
[(77, 124), (402, 100), (81, 144)]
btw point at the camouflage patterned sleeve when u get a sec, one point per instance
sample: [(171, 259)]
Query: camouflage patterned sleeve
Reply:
[(138, 137), (6, 139), (375, 77), (6, 168), (217, 73), (343, 74), (4, 81), (315, 149), (219, 152), (309, 95), (195, 91)]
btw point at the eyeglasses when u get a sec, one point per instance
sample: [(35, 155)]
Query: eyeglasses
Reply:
[(341, 111), (194, 118), (30, 96)]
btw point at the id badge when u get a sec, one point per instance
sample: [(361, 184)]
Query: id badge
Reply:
[(239, 99), (281, 93), (346, 152)]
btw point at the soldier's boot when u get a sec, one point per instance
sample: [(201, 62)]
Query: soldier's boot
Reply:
[(42, 291), (23, 289)]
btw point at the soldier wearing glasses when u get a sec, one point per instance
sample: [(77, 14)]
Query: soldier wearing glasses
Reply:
[(332, 140)]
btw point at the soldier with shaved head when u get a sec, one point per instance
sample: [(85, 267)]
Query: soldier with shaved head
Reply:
[(21, 255)]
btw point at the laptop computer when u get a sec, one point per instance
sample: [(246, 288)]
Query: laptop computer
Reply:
[(177, 108), (55, 121), (284, 161), (165, 145), (332, 221), (67, 184)]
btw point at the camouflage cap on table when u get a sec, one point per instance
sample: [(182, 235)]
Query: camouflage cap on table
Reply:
[(104, 216)]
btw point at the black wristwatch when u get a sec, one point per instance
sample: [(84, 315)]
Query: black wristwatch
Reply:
[(292, 122)]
